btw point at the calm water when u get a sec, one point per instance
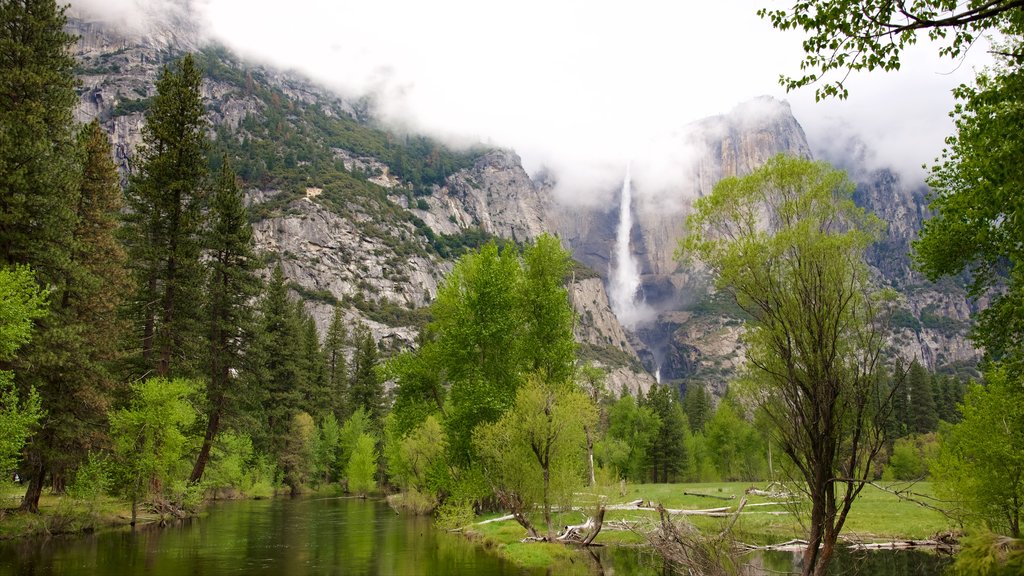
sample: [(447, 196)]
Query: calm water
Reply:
[(336, 536)]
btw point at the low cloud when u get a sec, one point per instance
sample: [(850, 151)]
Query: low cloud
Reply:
[(577, 88)]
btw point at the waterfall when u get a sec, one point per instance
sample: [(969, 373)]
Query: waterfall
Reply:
[(625, 274)]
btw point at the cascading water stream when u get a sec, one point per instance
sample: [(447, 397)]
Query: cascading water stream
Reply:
[(625, 276)]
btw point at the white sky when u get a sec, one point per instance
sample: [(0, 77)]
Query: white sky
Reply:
[(578, 86)]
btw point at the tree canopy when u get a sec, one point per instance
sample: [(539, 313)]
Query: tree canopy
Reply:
[(978, 221), (844, 36), (788, 244)]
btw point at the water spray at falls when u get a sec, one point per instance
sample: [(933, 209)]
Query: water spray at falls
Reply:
[(625, 272)]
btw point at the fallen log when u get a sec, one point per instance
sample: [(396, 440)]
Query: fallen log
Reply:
[(583, 534), (498, 519), (715, 496)]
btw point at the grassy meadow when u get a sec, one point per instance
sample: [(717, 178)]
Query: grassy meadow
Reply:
[(876, 516)]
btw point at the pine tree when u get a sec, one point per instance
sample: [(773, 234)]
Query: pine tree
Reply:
[(697, 405), (667, 453), (314, 369), (279, 368), (922, 415), (366, 390), (165, 223), (37, 140), (40, 169), (78, 395), (337, 368), (37, 188), (231, 285)]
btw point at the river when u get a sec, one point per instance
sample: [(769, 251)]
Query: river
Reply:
[(327, 536)]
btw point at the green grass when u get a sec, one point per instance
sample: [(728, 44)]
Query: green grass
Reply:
[(875, 516)]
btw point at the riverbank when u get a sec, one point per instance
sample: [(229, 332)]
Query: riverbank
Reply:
[(768, 518), (65, 515)]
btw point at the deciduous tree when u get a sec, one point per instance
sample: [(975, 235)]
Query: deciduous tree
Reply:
[(844, 36), (981, 464), (787, 243), (534, 455)]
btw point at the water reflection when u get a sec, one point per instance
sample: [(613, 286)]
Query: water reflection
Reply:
[(330, 536), (281, 537)]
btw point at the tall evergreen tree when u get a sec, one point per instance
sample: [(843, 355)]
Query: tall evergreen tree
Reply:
[(165, 223), (314, 369), (231, 285), (79, 392), (37, 185), (337, 367), (697, 405), (922, 414), (278, 365), (37, 140), (366, 390), (666, 457)]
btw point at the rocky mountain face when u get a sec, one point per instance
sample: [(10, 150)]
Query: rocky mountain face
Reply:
[(695, 335), (373, 220), (324, 187)]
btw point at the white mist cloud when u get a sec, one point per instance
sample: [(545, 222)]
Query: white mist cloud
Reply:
[(579, 87)]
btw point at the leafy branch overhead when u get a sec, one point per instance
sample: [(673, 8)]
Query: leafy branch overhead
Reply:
[(844, 36)]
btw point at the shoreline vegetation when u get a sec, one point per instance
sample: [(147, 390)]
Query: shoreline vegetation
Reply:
[(767, 520), (883, 519)]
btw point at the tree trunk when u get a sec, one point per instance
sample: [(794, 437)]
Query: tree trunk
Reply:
[(149, 328), (547, 504), (212, 425), (590, 456), (30, 503)]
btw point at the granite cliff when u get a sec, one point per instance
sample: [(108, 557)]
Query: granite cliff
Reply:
[(371, 219)]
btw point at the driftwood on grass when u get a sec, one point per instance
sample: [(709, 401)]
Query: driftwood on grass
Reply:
[(715, 496), (584, 534)]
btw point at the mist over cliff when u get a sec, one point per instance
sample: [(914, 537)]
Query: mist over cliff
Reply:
[(371, 217)]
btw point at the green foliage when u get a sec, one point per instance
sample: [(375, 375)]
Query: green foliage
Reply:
[(911, 456), (22, 302), (989, 554), (734, 446), (362, 466), (844, 36), (19, 415), (496, 317), (787, 242), (297, 458), (534, 454), (327, 450), (358, 423), (164, 224), (418, 461), (631, 431), (231, 461), (150, 435), (92, 480), (981, 464), (976, 223)]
